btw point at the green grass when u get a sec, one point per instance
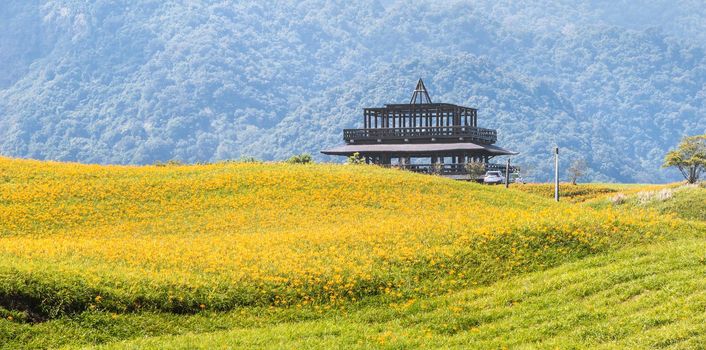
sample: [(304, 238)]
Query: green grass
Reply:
[(651, 296), (685, 202), (647, 297)]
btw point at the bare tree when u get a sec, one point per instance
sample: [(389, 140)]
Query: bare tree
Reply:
[(577, 169)]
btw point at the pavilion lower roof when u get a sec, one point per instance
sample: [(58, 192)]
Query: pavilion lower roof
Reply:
[(409, 148)]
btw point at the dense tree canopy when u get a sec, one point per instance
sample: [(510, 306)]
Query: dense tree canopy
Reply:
[(143, 81), (689, 158)]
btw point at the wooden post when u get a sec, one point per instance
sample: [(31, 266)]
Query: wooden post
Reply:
[(556, 174), (507, 173)]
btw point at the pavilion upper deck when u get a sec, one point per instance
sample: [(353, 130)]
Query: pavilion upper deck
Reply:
[(420, 121), (419, 115), (421, 134)]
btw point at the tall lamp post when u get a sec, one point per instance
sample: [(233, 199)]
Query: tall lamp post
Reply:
[(556, 174)]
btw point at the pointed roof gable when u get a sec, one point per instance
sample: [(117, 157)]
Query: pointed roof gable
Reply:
[(420, 94)]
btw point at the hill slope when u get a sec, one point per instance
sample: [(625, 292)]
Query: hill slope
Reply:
[(218, 236), (647, 297), (91, 254)]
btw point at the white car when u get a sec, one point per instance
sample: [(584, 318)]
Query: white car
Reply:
[(494, 177)]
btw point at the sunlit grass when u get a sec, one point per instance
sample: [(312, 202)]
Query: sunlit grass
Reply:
[(646, 297), (92, 254)]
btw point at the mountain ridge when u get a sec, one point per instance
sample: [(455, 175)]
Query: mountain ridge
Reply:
[(139, 82)]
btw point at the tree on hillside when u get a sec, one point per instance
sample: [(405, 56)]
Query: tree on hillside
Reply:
[(475, 169), (689, 157), (577, 169)]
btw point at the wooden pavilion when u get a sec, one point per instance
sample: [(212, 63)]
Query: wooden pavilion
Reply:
[(423, 136)]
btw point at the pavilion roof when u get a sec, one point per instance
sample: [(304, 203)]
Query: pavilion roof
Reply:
[(405, 148)]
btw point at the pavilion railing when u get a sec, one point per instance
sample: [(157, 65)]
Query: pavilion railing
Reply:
[(462, 133), (448, 169)]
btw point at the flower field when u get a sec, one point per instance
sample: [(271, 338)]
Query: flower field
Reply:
[(221, 236)]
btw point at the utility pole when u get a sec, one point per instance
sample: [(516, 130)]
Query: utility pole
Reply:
[(507, 173), (556, 174)]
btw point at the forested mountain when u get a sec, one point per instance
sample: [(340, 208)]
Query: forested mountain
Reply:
[(139, 81)]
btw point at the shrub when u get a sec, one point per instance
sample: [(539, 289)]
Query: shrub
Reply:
[(645, 197), (436, 168), (355, 159), (304, 158), (475, 169), (172, 162), (247, 159), (618, 199)]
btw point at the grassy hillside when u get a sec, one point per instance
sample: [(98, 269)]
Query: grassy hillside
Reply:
[(685, 201), (646, 297), (95, 254)]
